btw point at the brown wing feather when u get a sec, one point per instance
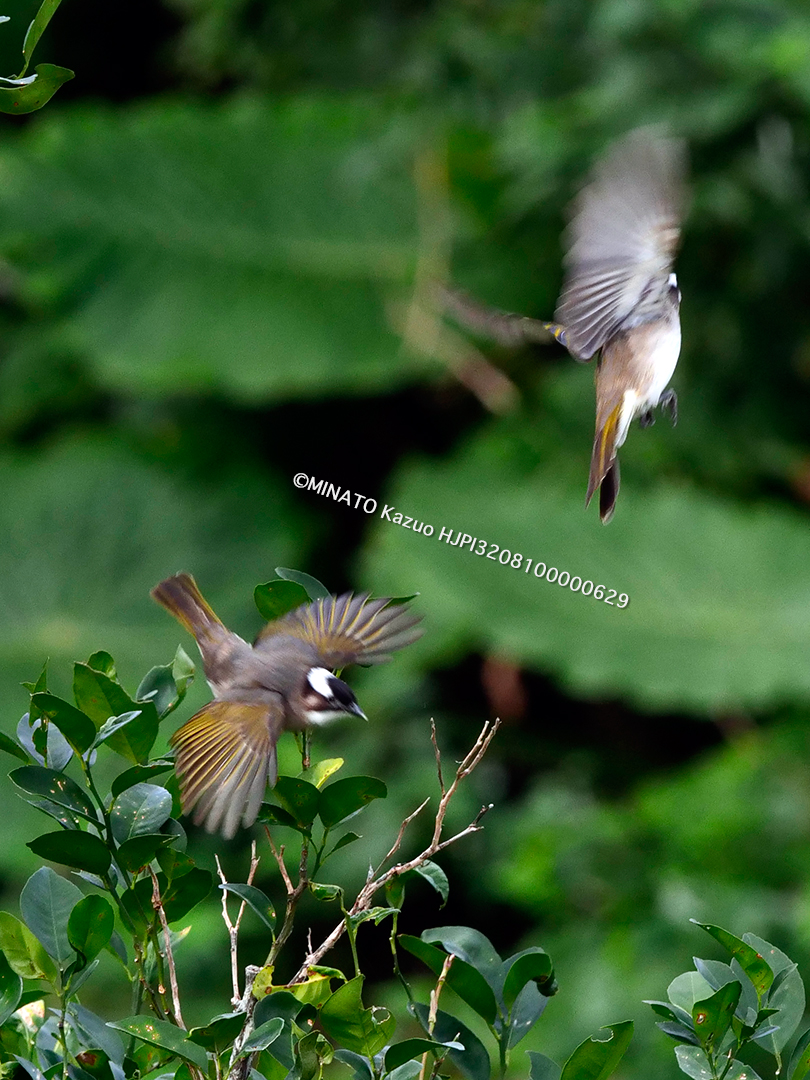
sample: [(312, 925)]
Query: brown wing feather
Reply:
[(226, 753), (622, 239), (347, 629)]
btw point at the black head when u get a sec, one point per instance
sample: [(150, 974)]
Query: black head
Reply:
[(325, 697)]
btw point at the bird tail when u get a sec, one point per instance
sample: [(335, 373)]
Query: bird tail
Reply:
[(225, 756), (181, 597), (605, 466)]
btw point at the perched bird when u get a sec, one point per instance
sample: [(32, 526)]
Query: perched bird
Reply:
[(620, 294), (226, 753)]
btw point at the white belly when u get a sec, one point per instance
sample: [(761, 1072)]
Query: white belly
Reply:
[(662, 359)]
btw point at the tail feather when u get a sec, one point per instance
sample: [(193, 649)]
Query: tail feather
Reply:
[(608, 492), (181, 598), (604, 473)]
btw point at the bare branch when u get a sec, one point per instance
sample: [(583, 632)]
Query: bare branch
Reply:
[(380, 879), (233, 927), (278, 855), (157, 904), (438, 754)]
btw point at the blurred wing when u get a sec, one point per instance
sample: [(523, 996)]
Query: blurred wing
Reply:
[(226, 754), (622, 240), (502, 327), (347, 629)]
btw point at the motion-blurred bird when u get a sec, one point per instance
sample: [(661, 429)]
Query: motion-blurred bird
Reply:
[(620, 294), (226, 753)]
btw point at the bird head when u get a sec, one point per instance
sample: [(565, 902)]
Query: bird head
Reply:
[(325, 697)]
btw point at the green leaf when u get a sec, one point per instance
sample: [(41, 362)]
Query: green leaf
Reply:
[(140, 850), (101, 661), (36, 30), (94, 1032), (46, 902), (101, 696), (32, 95), (542, 1067), (325, 892), (81, 850), (401, 1052), (693, 1061), (314, 589), (345, 797), (531, 965), (90, 926), (11, 988), (140, 809), (595, 1058), (686, 989), (114, 725), (77, 728), (219, 1032), (139, 774), (256, 900), (344, 841), (57, 749), (12, 747), (365, 1031), (799, 1067), (184, 893), (472, 947), (276, 598), (435, 876), (752, 963), (473, 1060), (23, 951), (56, 788), (463, 978), (165, 1035), (360, 1066), (712, 1016), (319, 773), (263, 1036), (166, 686), (787, 997), (299, 798)]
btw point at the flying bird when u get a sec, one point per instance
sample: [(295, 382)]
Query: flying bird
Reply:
[(620, 296), (284, 681)]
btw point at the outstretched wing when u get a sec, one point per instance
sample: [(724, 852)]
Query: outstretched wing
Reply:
[(347, 629), (226, 754), (622, 240)]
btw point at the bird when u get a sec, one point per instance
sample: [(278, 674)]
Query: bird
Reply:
[(284, 681), (620, 295)]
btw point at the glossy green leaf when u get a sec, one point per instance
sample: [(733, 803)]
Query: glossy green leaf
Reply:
[(56, 788), (11, 988), (472, 947), (409, 1070), (140, 850), (140, 809), (322, 771), (314, 589), (90, 926), (345, 797), (325, 892), (752, 963), (57, 749), (276, 598), (139, 774), (174, 863), (693, 1061), (35, 91), (399, 1053), (596, 1058), (686, 989), (435, 876), (219, 1032), (114, 725), (263, 1036), (101, 697), (473, 1060), (24, 952), (165, 1035), (365, 1031), (361, 1066), (185, 892), (467, 981), (80, 850), (92, 1031), (13, 748), (46, 902), (344, 841), (712, 1016), (77, 728), (287, 1007), (276, 815), (256, 900), (542, 1067), (299, 798), (799, 1067), (531, 965), (372, 914), (36, 29), (788, 997), (166, 686)]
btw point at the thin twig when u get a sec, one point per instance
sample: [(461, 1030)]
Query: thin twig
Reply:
[(233, 927), (278, 855), (433, 1012), (157, 904), (379, 879)]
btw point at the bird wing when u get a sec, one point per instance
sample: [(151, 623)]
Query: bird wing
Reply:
[(622, 240), (226, 753), (346, 629)]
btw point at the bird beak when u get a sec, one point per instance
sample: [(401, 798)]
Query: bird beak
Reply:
[(359, 712)]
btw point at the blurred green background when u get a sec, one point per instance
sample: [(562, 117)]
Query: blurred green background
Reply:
[(216, 246)]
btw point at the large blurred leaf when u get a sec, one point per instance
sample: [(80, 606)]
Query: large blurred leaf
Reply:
[(718, 590), (46, 903), (250, 248)]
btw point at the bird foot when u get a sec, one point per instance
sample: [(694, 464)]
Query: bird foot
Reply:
[(669, 401), (646, 419)]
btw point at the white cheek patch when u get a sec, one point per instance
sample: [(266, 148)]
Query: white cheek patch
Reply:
[(319, 717), (319, 679)]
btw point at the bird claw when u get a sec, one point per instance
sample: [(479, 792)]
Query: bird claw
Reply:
[(669, 401), (646, 419)]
